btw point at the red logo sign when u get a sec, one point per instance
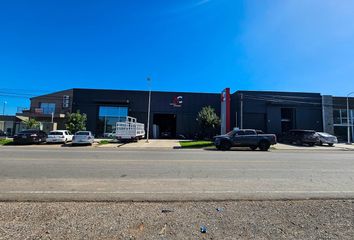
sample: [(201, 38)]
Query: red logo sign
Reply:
[(177, 101)]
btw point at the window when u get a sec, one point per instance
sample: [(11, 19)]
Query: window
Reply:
[(109, 116), (113, 111), (56, 133), (337, 116), (250, 132), (82, 133), (66, 101), (340, 116), (239, 133), (47, 108)]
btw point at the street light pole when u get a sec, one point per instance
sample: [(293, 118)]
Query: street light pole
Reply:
[(3, 108), (149, 107), (348, 118)]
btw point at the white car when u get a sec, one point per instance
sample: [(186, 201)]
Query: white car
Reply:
[(325, 138), (83, 137), (59, 136), (110, 135)]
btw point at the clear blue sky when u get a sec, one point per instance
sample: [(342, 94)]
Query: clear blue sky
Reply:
[(184, 45)]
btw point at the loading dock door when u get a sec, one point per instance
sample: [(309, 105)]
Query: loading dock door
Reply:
[(166, 124)]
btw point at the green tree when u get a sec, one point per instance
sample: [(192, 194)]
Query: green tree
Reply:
[(209, 122), (76, 122), (31, 123)]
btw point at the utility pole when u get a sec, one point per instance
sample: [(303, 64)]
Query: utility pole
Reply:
[(3, 108), (149, 107), (241, 112), (348, 118)]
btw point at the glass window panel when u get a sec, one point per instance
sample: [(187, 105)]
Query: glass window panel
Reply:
[(113, 111), (344, 116), (336, 116), (109, 116), (344, 113), (48, 108)]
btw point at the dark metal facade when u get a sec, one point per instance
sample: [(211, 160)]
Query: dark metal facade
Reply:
[(267, 111), (89, 100), (272, 112)]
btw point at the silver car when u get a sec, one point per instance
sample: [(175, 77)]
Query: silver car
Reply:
[(325, 138), (83, 137)]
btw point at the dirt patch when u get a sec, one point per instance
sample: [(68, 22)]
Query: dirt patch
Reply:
[(223, 220)]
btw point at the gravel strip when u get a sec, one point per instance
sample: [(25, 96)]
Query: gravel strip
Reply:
[(311, 219)]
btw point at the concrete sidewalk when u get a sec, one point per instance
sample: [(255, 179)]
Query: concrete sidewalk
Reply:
[(153, 143)]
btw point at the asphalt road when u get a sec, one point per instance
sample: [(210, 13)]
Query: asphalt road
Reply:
[(85, 174)]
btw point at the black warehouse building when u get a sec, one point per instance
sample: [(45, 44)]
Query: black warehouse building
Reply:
[(176, 112), (277, 112)]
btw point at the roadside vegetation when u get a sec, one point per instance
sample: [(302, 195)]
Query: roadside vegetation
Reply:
[(103, 142), (208, 122), (76, 122), (5, 141), (196, 144), (31, 123)]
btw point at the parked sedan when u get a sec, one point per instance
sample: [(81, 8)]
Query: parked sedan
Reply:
[(30, 137), (59, 136), (83, 137), (300, 137), (325, 138)]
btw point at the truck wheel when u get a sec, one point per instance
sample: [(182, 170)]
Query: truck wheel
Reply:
[(264, 145), (253, 148), (225, 146)]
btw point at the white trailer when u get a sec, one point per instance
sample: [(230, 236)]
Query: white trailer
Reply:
[(130, 130)]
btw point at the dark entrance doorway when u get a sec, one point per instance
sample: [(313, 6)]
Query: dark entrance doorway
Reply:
[(287, 119), (166, 125)]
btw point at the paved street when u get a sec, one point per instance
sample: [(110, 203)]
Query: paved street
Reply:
[(83, 174)]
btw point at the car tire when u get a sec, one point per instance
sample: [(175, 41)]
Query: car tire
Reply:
[(320, 143), (253, 148), (331, 144), (264, 146), (225, 146), (299, 143), (311, 144)]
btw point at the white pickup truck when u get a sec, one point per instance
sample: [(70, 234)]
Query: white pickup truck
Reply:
[(130, 130)]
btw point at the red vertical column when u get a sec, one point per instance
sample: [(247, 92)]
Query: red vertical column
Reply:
[(228, 115)]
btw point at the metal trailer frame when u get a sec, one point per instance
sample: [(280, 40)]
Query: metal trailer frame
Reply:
[(130, 130)]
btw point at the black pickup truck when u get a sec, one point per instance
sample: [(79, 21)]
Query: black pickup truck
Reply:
[(245, 138)]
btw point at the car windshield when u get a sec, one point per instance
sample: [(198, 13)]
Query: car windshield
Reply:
[(324, 134), (82, 133), (230, 133), (56, 133)]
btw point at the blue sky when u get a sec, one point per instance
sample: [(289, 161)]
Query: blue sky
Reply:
[(184, 45)]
